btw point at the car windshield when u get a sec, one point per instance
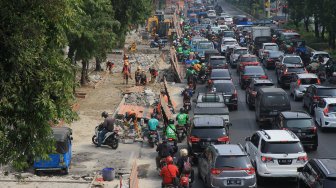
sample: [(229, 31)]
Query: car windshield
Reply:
[(275, 54), (323, 55), (281, 147), (299, 123), (205, 46), (216, 62), (292, 60), (209, 132), (296, 69), (271, 47), (220, 74), (249, 59), (227, 88), (292, 36), (331, 108), (326, 92), (229, 34), (275, 100), (229, 43), (263, 85), (240, 161), (254, 70), (308, 81), (241, 51)]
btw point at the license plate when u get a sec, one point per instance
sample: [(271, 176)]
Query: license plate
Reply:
[(285, 161), (234, 182)]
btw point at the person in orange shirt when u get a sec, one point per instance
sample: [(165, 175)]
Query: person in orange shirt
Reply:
[(169, 172)]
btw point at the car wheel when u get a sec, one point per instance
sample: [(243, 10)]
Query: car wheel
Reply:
[(321, 126), (260, 179)]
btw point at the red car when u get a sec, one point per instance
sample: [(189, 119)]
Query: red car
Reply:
[(246, 60)]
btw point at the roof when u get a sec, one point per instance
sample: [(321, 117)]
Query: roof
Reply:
[(330, 100), (320, 52), (222, 81), (272, 90), (208, 121), (328, 166), (211, 111), (291, 55), (260, 81), (229, 39), (296, 115), (248, 55), (239, 48), (307, 75), (290, 33), (270, 43), (322, 87), (278, 135), (217, 57), (61, 134), (229, 149)]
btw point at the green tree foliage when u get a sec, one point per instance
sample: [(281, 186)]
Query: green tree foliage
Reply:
[(36, 80)]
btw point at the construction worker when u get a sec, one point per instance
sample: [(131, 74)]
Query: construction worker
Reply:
[(143, 77), (109, 66), (137, 75), (154, 73), (131, 116)]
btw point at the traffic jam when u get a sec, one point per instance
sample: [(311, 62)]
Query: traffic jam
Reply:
[(259, 103)]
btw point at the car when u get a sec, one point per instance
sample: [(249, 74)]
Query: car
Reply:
[(211, 14), (288, 36), (228, 42), (279, 19), (314, 94), (300, 82), (228, 34), (288, 59), (228, 20), (226, 165), (205, 131), (269, 102), (275, 153), (251, 90), (215, 29), (194, 41), (202, 46), (238, 19), (270, 58), (221, 20), (318, 173), (220, 74), (223, 28), (228, 90), (249, 73), (246, 60), (217, 62), (265, 47), (315, 55), (325, 113), (237, 51), (287, 72), (300, 123)]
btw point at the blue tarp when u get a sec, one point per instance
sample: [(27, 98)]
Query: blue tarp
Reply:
[(245, 23)]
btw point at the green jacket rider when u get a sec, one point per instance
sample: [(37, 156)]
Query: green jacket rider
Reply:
[(182, 118), (171, 130)]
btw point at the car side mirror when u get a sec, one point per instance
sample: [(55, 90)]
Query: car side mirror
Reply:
[(300, 169), (247, 139)]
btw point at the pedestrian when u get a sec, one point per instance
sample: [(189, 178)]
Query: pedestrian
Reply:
[(126, 71), (109, 66)]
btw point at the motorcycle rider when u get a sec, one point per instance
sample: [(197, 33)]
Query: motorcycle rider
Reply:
[(164, 150), (169, 172), (106, 126), (182, 119), (184, 164), (171, 132), (153, 123)]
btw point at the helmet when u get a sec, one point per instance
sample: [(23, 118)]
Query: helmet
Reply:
[(181, 110), (183, 152), (169, 160), (153, 115), (104, 114), (274, 36), (171, 121)]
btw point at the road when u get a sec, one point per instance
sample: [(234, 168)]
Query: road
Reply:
[(244, 123)]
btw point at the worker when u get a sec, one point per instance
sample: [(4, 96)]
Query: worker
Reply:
[(137, 76), (109, 66), (131, 116), (126, 71), (143, 77), (154, 73)]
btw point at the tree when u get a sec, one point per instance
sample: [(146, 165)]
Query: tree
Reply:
[(36, 79)]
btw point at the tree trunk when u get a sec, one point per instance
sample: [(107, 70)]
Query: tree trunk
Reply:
[(306, 23), (84, 76), (322, 33), (333, 46), (98, 64), (316, 24)]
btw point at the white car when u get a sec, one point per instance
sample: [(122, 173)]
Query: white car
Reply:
[(300, 82), (211, 14), (275, 153), (228, 42), (266, 47), (325, 113), (237, 51), (315, 54), (228, 20)]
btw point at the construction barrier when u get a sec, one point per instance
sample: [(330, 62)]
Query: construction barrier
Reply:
[(177, 67), (134, 180)]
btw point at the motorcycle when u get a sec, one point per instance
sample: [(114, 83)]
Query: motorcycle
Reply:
[(185, 180), (159, 44), (152, 138), (181, 133), (173, 143), (111, 138), (203, 78), (187, 105)]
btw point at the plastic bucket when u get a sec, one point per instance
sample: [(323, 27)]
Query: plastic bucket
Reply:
[(108, 174)]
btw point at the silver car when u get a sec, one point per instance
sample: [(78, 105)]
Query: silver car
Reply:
[(226, 165), (300, 82)]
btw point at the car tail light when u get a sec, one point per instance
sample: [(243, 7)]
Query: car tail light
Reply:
[(215, 171), (326, 111), (170, 139), (263, 77), (269, 60), (318, 81), (235, 94), (286, 71), (302, 159), (299, 82), (254, 93), (194, 139), (313, 129), (316, 98), (223, 139), (267, 159), (246, 77), (250, 171)]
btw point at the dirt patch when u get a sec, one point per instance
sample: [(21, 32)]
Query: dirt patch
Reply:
[(143, 170)]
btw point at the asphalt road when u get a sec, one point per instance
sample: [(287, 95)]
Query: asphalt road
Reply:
[(244, 124)]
